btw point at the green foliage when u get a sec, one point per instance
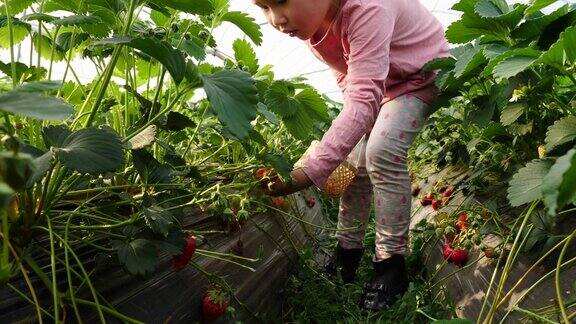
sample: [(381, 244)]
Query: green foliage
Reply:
[(233, 97), (526, 185), (246, 24), (35, 105), (91, 150)]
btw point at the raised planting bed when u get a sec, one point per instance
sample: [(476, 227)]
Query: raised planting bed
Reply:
[(491, 285), (271, 239)]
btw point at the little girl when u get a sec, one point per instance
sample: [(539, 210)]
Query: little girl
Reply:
[(376, 49)]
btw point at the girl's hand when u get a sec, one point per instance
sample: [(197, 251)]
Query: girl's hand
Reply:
[(299, 181)]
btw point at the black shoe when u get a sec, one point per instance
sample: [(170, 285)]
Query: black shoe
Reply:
[(345, 260), (390, 281)]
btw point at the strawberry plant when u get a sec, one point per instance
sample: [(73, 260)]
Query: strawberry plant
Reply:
[(113, 165)]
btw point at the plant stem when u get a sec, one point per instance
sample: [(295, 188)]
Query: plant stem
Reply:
[(109, 311), (195, 132), (55, 292), (110, 68), (225, 260), (69, 274), (557, 279), (541, 318), (510, 260), (519, 281), (151, 121)]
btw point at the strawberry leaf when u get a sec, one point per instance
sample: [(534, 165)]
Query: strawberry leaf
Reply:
[(558, 185), (138, 256), (526, 184)]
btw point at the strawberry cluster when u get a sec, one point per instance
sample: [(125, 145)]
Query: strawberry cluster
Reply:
[(437, 197)]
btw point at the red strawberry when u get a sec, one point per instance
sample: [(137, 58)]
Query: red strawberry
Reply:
[(179, 262), (436, 203), (214, 304), (279, 202), (311, 202), (462, 222), (459, 257), (261, 173), (448, 192), (456, 256)]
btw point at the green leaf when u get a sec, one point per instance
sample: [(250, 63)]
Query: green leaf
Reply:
[(561, 51), (471, 59), (35, 105), (76, 20), (558, 185), (511, 66), (16, 169), (55, 135), (39, 86), (246, 23), (483, 114), (313, 104), (263, 110), (561, 132), (300, 125), (15, 6), (569, 37), (536, 5), (19, 34), (159, 18), (459, 33), (47, 49), (244, 54), (92, 150), (42, 164), (533, 27), (68, 40), (172, 59), (511, 113), (526, 184), (279, 99), (159, 220), (279, 163), (197, 7), (38, 17), (176, 121), (193, 49), (138, 256), (65, 5), (110, 20), (233, 97), (520, 52), (440, 63), (150, 170), (487, 9), (23, 72)]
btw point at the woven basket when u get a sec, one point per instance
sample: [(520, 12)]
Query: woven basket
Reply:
[(340, 179)]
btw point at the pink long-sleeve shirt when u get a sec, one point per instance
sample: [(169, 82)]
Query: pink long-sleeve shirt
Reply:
[(376, 49)]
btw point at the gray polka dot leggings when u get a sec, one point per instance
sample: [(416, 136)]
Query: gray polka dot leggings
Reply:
[(383, 174)]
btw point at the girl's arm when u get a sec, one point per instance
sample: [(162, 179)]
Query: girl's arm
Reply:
[(369, 28)]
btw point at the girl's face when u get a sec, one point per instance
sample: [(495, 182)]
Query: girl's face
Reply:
[(299, 18)]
